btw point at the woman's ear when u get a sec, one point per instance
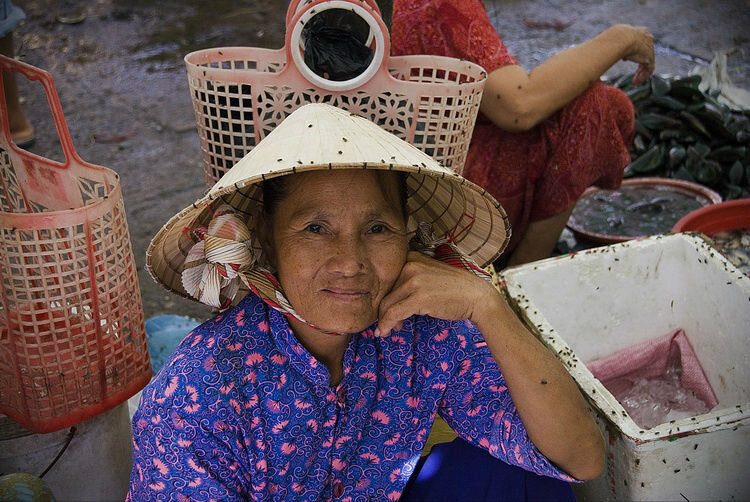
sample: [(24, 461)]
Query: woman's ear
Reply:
[(264, 230)]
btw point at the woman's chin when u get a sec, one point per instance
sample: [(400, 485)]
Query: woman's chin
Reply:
[(343, 325)]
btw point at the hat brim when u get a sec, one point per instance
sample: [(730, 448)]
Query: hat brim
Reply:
[(309, 139)]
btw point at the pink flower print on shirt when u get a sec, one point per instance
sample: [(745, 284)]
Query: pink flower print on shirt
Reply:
[(172, 387), (272, 405), (312, 425), (464, 367), (193, 465), (371, 458), (301, 404), (281, 381), (158, 486), (235, 406), (393, 438), (239, 318), (161, 466), (381, 417), (178, 420), (368, 375), (253, 359), (341, 440), (441, 337), (280, 427)]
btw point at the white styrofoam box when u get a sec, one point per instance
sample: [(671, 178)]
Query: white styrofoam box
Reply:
[(591, 304)]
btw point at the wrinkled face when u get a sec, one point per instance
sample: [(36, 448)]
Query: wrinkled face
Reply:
[(338, 242)]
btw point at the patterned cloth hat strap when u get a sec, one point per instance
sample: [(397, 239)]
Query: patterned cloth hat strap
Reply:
[(224, 256)]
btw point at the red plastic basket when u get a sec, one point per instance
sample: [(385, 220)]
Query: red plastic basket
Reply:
[(72, 337), (240, 94)]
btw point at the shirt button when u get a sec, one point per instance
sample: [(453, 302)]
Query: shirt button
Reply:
[(338, 489)]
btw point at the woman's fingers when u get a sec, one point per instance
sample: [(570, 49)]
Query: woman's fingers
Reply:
[(392, 318), (642, 52)]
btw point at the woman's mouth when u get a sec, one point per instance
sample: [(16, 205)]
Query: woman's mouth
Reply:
[(346, 294)]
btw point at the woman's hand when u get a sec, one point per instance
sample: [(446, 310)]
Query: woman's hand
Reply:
[(640, 50), (429, 287)]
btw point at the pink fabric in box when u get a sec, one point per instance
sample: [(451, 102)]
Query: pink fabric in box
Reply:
[(651, 359)]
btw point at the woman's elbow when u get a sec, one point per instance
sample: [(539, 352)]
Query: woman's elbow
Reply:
[(512, 116), (589, 460)]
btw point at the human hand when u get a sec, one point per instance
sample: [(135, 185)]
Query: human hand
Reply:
[(429, 287), (640, 50)]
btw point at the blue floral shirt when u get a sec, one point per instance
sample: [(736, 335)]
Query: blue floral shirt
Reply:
[(242, 411)]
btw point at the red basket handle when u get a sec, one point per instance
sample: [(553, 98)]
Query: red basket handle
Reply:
[(294, 7), (37, 75), (378, 30)]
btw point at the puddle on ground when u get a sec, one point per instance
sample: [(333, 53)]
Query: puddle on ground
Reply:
[(204, 24)]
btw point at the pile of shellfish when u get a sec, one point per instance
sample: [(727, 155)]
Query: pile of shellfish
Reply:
[(735, 245), (685, 133)]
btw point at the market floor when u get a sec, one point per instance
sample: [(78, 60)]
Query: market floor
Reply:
[(119, 73)]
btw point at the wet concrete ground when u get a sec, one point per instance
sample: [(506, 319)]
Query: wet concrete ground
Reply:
[(119, 73)]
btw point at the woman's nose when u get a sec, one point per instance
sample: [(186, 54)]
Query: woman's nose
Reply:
[(348, 257)]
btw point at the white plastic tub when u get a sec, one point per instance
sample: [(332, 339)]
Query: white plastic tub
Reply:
[(588, 305)]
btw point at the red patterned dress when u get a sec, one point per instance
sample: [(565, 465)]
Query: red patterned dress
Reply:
[(538, 173)]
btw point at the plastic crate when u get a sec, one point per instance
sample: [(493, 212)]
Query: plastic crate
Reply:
[(589, 305)]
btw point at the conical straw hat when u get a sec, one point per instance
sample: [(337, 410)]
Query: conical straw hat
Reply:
[(319, 137)]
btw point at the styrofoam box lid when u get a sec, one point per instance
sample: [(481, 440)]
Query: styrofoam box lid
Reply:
[(591, 304)]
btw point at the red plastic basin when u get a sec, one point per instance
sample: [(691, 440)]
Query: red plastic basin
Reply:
[(729, 215)]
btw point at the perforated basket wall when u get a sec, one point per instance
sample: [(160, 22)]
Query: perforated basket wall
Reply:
[(72, 337), (240, 94)]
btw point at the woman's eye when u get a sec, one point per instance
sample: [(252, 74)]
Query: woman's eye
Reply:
[(378, 228), (314, 228)]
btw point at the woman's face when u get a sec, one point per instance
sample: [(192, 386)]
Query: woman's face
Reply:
[(338, 241)]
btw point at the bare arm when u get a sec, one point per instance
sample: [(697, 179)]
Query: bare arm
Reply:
[(551, 407), (517, 101), (548, 400)]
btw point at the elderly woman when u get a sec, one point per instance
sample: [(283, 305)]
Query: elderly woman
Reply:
[(359, 327)]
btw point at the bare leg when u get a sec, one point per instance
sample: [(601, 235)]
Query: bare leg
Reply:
[(20, 128), (540, 239)]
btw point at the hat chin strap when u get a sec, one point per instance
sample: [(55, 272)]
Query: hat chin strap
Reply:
[(223, 257)]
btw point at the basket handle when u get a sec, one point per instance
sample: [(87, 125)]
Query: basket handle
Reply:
[(297, 5), (378, 33), (37, 75)]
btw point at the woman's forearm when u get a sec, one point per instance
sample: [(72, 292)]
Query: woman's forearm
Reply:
[(515, 100), (550, 405)]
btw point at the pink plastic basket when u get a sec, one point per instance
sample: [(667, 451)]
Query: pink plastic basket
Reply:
[(240, 94), (72, 337)]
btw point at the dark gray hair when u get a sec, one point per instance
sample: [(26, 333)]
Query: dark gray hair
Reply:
[(275, 189)]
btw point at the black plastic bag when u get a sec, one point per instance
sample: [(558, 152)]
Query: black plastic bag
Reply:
[(335, 45)]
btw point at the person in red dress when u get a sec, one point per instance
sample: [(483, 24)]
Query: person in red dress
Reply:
[(542, 137)]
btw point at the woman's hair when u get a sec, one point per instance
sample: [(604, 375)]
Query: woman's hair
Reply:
[(275, 189)]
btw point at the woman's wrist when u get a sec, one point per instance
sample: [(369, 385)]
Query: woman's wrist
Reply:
[(624, 36), (492, 310)]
